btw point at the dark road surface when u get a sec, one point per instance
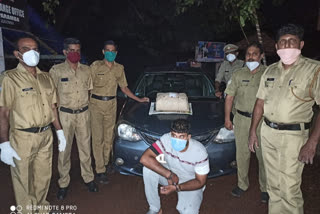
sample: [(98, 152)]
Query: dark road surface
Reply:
[(125, 194)]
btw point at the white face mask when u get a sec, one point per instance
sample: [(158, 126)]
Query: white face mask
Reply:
[(231, 57), (31, 58), (252, 65)]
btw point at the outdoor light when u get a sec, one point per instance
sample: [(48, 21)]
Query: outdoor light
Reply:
[(127, 132), (224, 136)]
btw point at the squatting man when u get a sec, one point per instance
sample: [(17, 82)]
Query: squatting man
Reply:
[(184, 169)]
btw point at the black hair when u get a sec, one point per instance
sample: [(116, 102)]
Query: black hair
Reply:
[(110, 42), (257, 45), (292, 29), (180, 126), (70, 41), (24, 37)]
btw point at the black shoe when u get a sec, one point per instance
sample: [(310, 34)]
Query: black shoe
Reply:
[(237, 192), (264, 197), (102, 178), (62, 193), (110, 169), (92, 186)]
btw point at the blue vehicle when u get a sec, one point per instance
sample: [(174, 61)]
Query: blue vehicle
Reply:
[(137, 129)]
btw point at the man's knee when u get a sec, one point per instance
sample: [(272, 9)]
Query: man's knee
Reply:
[(148, 172)]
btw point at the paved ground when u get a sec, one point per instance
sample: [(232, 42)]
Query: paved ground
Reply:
[(125, 194)]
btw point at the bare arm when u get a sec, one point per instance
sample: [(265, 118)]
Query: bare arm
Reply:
[(148, 159), (193, 184), (308, 151), (4, 124), (227, 112), (217, 86), (128, 92), (257, 115), (56, 122)]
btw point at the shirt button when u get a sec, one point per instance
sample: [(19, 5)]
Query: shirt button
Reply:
[(42, 104), (271, 113)]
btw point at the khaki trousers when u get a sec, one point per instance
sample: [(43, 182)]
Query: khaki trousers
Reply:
[(241, 131), (103, 118), (280, 153), (32, 174), (77, 125)]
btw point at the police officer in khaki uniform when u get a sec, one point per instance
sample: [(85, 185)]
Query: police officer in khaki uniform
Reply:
[(244, 85), (73, 82), (107, 75), (228, 67), (287, 92), (28, 107)]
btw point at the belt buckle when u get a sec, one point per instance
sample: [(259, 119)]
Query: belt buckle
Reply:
[(274, 126), (42, 129), (77, 111), (105, 98)]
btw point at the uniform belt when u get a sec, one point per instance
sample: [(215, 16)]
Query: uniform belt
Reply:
[(281, 126), (36, 129), (246, 114), (104, 98), (68, 110)]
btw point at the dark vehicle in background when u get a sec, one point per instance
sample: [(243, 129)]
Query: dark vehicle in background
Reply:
[(136, 129)]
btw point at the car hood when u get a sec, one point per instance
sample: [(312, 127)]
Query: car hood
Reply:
[(208, 115)]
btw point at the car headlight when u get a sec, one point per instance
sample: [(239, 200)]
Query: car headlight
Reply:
[(224, 136), (127, 132)]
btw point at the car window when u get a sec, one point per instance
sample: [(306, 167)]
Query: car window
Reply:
[(194, 85)]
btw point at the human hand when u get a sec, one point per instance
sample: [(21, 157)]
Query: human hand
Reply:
[(253, 142), (166, 190), (218, 94), (144, 100), (62, 140), (8, 153), (228, 124), (307, 152), (173, 178)]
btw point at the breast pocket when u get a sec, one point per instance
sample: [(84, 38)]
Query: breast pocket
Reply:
[(300, 92), (28, 97), (269, 83), (100, 80), (245, 83), (65, 86)]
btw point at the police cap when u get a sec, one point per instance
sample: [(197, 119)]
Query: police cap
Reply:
[(230, 48)]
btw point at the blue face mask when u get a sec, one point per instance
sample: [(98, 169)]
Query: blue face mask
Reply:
[(110, 56), (178, 144)]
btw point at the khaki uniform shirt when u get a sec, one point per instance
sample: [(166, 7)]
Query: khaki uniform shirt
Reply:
[(106, 80), (278, 86), (227, 69), (29, 99), (72, 86), (2, 75), (244, 87)]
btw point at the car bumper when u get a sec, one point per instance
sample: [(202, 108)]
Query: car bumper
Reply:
[(126, 157)]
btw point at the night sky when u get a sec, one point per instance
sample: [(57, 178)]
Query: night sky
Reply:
[(150, 33)]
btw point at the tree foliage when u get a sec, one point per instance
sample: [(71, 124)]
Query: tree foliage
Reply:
[(49, 7)]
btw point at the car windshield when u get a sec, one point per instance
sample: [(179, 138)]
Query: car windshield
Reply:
[(193, 84)]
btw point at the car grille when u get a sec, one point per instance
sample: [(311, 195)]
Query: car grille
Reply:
[(204, 139)]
